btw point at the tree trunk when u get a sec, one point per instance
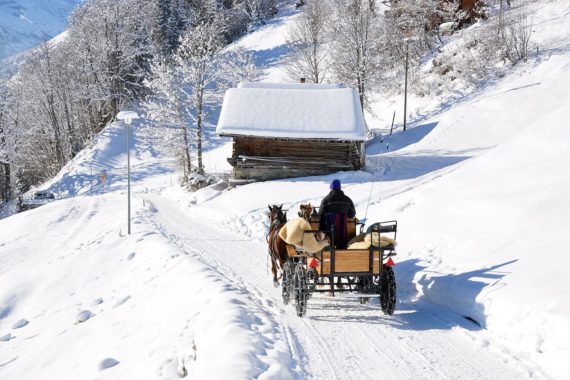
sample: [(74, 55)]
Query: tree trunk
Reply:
[(182, 124), (199, 110), (6, 193)]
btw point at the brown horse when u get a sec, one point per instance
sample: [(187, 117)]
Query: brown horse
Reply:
[(306, 211), (277, 248), (309, 213)]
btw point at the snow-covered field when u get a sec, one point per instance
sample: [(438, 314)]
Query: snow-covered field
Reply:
[(480, 194)]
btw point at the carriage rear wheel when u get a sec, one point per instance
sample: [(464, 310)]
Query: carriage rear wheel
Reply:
[(388, 290), (287, 284), (301, 290)]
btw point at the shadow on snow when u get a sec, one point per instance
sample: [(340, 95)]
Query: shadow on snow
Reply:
[(399, 140), (430, 303)]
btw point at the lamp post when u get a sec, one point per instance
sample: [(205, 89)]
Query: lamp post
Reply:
[(127, 117), (406, 85), (407, 25)]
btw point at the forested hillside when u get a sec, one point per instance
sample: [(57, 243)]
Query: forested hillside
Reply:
[(167, 57)]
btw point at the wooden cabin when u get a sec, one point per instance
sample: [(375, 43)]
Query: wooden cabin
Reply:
[(292, 130)]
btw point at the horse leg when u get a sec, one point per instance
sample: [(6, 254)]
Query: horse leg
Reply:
[(275, 279), (274, 270)]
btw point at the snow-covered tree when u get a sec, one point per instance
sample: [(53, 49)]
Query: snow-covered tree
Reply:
[(168, 19), (168, 108), (198, 59), (257, 10), (182, 89), (6, 145)]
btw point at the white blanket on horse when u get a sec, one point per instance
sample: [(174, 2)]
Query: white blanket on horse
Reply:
[(293, 232)]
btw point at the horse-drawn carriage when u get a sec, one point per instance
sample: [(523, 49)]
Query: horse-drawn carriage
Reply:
[(365, 269)]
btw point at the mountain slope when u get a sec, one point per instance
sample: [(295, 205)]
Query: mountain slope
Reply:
[(24, 24)]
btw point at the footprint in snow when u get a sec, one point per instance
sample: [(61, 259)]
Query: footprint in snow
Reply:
[(107, 363), (131, 256), (83, 316), (97, 301), (6, 337), (122, 301), (21, 323)]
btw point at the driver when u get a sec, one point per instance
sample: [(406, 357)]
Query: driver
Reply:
[(337, 202), (335, 208)]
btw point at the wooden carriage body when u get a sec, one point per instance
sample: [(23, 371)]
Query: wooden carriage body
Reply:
[(349, 264)]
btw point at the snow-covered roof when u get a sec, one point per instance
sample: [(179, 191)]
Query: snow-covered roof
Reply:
[(291, 86), (308, 111)]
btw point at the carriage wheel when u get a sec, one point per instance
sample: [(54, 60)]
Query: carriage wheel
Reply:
[(364, 285), (287, 283), (312, 280), (388, 290), (301, 290)]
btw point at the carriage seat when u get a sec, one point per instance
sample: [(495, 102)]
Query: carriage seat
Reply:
[(364, 241)]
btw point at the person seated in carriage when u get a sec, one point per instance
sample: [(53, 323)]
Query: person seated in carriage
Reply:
[(335, 208)]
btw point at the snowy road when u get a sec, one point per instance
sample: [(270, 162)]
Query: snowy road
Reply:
[(340, 338)]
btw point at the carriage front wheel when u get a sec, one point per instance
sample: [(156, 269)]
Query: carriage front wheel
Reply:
[(388, 290), (287, 284), (300, 290)]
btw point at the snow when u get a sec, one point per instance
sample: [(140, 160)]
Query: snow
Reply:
[(294, 112), (127, 116), (479, 188), (291, 86)]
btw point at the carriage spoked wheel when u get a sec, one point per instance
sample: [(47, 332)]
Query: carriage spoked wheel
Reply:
[(287, 284), (312, 280), (367, 285), (387, 290), (300, 290)]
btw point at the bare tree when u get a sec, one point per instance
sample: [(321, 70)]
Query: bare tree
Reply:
[(515, 29), (308, 44), (357, 42)]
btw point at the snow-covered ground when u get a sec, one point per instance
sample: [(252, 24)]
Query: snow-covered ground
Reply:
[(479, 190)]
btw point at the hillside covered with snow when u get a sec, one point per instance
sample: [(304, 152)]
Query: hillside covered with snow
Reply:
[(24, 24), (479, 188)]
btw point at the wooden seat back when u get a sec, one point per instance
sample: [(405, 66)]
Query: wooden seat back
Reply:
[(351, 261)]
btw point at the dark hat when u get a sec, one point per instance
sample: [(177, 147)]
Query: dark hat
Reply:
[(335, 184)]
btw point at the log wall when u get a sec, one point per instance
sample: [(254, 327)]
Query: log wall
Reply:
[(262, 159)]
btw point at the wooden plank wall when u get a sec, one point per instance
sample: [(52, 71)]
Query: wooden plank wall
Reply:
[(264, 158)]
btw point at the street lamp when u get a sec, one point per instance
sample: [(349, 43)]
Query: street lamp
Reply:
[(406, 85), (127, 117)]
